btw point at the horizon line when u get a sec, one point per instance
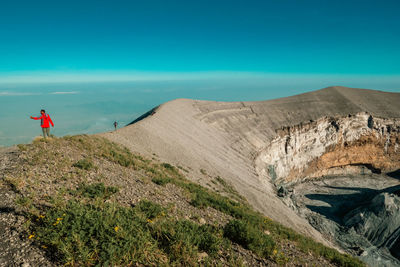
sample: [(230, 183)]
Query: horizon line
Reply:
[(23, 77)]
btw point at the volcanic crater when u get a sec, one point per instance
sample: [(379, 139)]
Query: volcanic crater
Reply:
[(325, 163)]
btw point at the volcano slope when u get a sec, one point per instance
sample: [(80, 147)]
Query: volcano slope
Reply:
[(269, 146)]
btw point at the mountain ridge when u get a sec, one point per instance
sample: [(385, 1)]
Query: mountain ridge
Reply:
[(224, 138)]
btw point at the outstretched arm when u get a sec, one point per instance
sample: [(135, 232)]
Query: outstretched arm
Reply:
[(37, 118)]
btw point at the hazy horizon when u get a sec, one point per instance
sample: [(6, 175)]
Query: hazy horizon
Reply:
[(92, 107)]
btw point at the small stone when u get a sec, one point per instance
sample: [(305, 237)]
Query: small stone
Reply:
[(202, 221), (282, 192), (25, 264), (364, 254), (202, 256)]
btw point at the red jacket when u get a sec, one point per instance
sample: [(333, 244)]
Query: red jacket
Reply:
[(45, 119)]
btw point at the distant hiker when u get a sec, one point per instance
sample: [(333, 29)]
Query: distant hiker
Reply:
[(115, 125), (45, 122)]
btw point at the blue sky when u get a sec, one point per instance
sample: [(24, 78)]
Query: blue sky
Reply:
[(285, 36)]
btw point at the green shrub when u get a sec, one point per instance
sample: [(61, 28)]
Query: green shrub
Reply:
[(23, 201), (84, 164), (169, 167), (122, 158), (202, 197), (98, 190), (22, 147), (91, 235), (181, 240), (106, 234), (150, 209), (161, 180), (249, 237)]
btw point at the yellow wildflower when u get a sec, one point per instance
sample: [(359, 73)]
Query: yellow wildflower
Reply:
[(274, 252), (58, 221), (31, 236), (116, 228), (44, 246), (149, 221)]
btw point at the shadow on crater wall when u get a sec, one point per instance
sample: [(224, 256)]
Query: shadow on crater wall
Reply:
[(340, 204)]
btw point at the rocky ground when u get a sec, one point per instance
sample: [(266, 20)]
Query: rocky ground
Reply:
[(30, 175), (15, 248)]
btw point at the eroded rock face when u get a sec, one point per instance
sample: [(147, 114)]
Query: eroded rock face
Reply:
[(334, 170), (379, 221), (361, 213), (332, 146)]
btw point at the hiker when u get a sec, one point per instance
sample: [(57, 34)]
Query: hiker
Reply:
[(44, 123), (115, 125)]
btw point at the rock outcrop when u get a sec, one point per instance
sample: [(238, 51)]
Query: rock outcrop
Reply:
[(353, 144)]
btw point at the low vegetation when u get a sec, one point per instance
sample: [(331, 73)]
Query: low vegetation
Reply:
[(84, 164), (244, 233), (91, 234), (98, 190), (87, 219)]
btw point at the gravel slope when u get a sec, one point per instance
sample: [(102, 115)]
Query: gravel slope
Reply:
[(15, 250)]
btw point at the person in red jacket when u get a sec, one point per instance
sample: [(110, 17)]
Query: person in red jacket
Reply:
[(45, 122)]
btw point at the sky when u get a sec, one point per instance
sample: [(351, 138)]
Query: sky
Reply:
[(285, 36), (92, 62)]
